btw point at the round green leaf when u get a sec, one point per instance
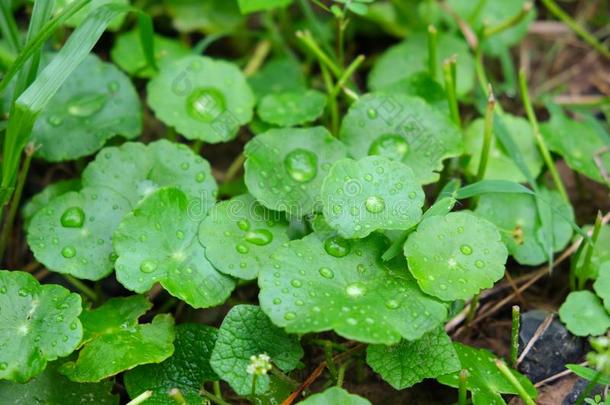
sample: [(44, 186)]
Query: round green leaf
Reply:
[(281, 75), (52, 388), (518, 220), (485, 381), (97, 102), (369, 194), (500, 166), (88, 8), (186, 370), (202, 98), (127, 53), (39, 324), (240, 234), (455, 256), (246, 331), (314, 285), (408, 363), (401, 128), (114, 341), (135, 170), (157, 242), (334, 395), (285, 167), (73, 233), (602, 284), (424, 86), (491, 13), (210, 16), (578, 151), (584, 315), (292, 108), (411, 57), (41, 199)]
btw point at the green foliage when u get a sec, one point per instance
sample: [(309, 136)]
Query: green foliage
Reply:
[(484, 381), (334, 395), (285, 167), (291, 108), (114, 341), (280, 75), (602, 284), (410, 362), (251, 6), (245, 332), (584, 314), (39, 324), (157, 242), (599, 256), (73, 233), (40, 200), (202, 98), (186, 370), (456, 255), (244, 226), (210, 16), (314, 285), (401, 128), (79, 17), (52, 388), (369, 194), (96, 103)]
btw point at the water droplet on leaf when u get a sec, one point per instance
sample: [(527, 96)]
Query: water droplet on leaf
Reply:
[(393, 147), (301, 165), (374, 204), (73, 217)]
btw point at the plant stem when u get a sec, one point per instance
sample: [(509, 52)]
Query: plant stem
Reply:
[(347, 74), (576, 27), (330, 362), (307, 39), (487, 134), (514, 336), (515, 383), (254, 378), (81, 287), (544, 151), (509, 22), (448, 72), (217, 390), (140, 398), (472, 309), (588, 250), (341, 373), (235, 167), (213, 398), (258, 57), (332, 101), (432, 51), (341, 26), (462, 391), (177, 396), (14, 206)]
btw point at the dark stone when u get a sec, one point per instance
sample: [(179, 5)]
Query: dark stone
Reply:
[(579, 386), (555, 348)]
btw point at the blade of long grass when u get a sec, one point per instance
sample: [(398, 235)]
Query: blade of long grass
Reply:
[(147, 39), (8, 26)]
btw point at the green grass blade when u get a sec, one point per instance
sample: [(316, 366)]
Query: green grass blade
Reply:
[(8, 27), (147, 39)]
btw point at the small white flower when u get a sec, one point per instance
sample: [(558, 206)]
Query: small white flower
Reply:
[(259, 365)]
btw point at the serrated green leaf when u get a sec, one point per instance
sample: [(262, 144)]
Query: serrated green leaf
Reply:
[(79, 17), (484, 380), (127, 53), (187, 369), (285, 167), (401, 128), (40, 200), (280, 75), (408, 363), (97, 102), (210, 16), (584, 315), (203, 98), (39, 323), (135, 170), (411, 56), (246, 331), (500, 166), (314, 285), (578, 151), (240, 234), (369, 194), (157, 242), (517, 218), (602, 284), (73, 233), (334, 395), (52, 388), (455, 256), (292, 108), (114, 341), (251, 6)]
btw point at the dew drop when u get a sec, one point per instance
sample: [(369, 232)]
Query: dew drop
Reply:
[(374, 204), (277, 301), (326, 272), (86, 105), (243, 224), (479, 264), (296, 283), (3, 366), (259, 237), (205, 104), (301, 165), (73, 217), (466, 250), (114, 86), (355, 290), (392, 304), (148, 266), (243, 249), (55, 120), (289, 316), (23, 292), (68, 252), (337, 246), (200, 177), (391, 146)]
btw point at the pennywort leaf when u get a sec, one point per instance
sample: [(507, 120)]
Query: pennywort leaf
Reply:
[(292, 108), (584, 315), (334, 395)]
